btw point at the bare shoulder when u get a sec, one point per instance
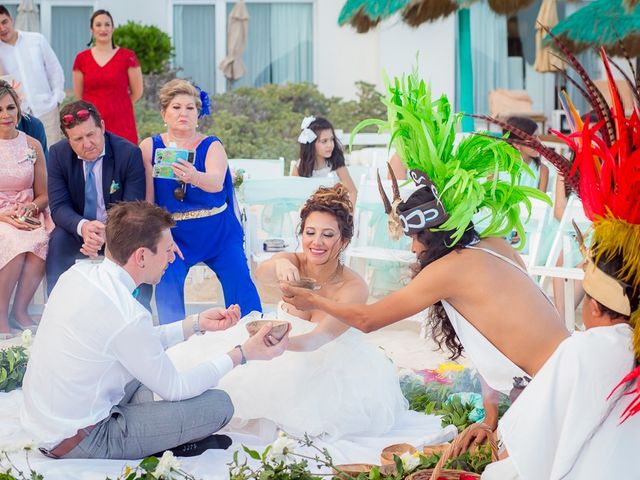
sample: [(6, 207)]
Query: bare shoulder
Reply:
[(501, 246), (353, 288), (146, 146), (33, 142)]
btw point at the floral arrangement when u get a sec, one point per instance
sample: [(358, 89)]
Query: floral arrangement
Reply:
[(280, 461), (238, 177), (474, 461), (13, 365), (451, 391)]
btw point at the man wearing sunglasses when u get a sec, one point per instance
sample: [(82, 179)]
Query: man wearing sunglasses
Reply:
[(88, 172)]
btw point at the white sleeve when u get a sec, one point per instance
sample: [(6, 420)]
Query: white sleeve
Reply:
[(55, 74), (170, 334), (142, 353)]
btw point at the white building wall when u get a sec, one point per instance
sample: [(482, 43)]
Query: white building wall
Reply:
[(341, 55)]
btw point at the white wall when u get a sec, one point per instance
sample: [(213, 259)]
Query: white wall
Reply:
[(341, 55), (435, 43)]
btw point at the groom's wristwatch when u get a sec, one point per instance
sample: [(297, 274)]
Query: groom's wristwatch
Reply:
[(243, 359), (195, 319)]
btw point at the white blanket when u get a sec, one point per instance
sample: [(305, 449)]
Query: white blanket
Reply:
[(547, 427), (413, 427)]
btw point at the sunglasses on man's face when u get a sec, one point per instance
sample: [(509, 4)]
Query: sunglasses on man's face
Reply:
[(71, 119)]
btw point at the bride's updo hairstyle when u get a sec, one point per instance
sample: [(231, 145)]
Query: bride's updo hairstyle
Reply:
[(438, 244), (333, 200)]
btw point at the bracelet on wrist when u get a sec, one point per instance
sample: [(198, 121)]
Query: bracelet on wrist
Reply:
[(243, 359), (195, 324)]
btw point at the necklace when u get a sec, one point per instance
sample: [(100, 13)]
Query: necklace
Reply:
[(188, 143), (330, 279)]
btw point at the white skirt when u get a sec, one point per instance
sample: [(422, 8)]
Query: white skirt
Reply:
[(346, 387)]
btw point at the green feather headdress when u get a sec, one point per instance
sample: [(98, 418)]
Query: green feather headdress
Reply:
[(469, 178)]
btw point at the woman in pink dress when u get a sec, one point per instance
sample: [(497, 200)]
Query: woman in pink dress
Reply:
[(24, 221), (110, 77)]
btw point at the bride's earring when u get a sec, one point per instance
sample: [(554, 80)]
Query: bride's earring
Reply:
[(342, 257)]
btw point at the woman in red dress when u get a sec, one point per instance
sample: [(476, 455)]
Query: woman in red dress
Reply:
[(109, 77)]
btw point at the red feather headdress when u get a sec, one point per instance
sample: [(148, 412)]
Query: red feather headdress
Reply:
[(605, 173)]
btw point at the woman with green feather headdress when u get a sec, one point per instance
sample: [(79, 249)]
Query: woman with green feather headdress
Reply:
[(481, 298)]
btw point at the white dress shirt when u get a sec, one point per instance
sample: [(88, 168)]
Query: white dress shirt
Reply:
[(93, 339), (101, 210), (32, 62)]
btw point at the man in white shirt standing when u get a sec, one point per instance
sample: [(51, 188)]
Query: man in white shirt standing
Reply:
[(30, 60), (97, 357)]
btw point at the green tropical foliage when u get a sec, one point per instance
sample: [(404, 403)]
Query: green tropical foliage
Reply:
[(13, 365), (151, 45)]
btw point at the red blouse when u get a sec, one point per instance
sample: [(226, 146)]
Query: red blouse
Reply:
[(107, 87)]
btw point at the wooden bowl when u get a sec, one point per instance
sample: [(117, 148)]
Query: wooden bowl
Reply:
[(386, 457), (278, 330), (431, 449), (305, 282)]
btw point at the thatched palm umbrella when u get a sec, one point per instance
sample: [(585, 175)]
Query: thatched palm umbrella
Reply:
[(366, 14), (612, 24)]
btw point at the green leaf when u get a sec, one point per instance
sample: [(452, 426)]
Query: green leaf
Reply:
[(252, 453), (149, 464)]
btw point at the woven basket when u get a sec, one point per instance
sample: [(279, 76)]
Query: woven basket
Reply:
[(440, 473)]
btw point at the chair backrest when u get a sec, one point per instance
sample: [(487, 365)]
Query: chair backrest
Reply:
[(535, 223), (371, 221), (274, 204), (564, 239), (259, 167)]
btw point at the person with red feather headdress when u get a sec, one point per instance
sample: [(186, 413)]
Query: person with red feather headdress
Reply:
[(576, 417)]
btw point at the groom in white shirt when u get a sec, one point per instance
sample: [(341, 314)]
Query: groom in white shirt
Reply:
[(97, 357)]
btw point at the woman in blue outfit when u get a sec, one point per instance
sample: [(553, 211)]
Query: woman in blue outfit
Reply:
[(201, 200)]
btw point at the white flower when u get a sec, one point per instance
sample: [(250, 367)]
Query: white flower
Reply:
[(410, 460), (282, 448), (27, 338), (306, 121), (167, 464)]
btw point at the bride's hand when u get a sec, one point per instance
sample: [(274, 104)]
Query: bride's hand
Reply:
[(301, 298), (286, 271), (216, 319)]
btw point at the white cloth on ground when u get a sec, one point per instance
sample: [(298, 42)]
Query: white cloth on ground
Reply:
[(346, 387), (93, 339), (212, 465), (32, 62), (548, 425)]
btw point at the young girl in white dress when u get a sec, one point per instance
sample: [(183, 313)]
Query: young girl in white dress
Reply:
[(332, 381), (321, 154)]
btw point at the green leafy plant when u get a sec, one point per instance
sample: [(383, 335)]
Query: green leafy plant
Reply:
[(151, 45), (9, 470), (264, 122), (13, 365)]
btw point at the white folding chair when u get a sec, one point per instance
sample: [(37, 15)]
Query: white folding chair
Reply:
[(371, 238), (259, 167), (564, 241)]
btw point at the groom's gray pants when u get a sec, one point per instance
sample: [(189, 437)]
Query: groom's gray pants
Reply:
[(138, 426)]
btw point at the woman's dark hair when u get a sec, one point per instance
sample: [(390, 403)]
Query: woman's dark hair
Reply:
[(333, 200), (308, 150), (438, 245), (526, 125), (93, 17), (613, 266)]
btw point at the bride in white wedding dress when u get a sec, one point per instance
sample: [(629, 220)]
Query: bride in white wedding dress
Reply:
[(331, 382)]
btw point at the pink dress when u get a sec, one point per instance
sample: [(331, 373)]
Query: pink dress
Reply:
[(16, 186)]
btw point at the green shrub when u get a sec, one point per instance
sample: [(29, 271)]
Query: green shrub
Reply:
[(264, 122), (151, 45), (13, 365)]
